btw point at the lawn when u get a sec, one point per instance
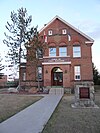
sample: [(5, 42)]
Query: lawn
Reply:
[(66, 119), (11, 104)]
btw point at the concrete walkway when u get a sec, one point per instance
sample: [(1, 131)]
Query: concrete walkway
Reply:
[(33, 118)]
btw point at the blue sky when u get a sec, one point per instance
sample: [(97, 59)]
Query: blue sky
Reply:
[(83, 14)]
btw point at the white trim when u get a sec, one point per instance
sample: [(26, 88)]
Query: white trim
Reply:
[(23, 66), (56, 63), (24, 76), (76, 53), (88, 42), (57, 17), (45, 57), (50, 32), (77, 72), (54, 53), (64, 31)]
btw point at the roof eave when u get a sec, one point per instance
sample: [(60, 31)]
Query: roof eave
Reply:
[(57, 17)]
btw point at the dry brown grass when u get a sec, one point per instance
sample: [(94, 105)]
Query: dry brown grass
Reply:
[(66, 119), (12, 103)]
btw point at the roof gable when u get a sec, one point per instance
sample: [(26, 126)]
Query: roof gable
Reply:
[(75, 29)]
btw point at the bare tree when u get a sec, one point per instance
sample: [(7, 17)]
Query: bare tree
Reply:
[(35, 51), (1, 68), (19, 33), (22, 38)]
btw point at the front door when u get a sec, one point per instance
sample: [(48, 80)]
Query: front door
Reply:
[(57, 77)]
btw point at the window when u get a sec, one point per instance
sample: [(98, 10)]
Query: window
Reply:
[(39, 53), (69, 37), (52, 52), (50, 32), (64, 31), (24, 76), (76, 51), (62, 51), (39, 73), (77, 75)]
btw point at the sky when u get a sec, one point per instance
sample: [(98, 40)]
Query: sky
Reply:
[(82, 14)]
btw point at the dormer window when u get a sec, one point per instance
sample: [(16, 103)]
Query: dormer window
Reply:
[(64, 31), (50, 32)]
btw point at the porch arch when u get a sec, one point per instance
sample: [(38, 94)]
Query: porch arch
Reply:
[(57, 76)]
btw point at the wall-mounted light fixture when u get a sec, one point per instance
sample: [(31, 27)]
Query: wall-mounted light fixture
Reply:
[(46, 71), (65, 71)]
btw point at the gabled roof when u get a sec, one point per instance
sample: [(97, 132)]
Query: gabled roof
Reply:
[(57, 17)]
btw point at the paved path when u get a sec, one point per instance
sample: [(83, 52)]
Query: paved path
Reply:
[(33, 118)]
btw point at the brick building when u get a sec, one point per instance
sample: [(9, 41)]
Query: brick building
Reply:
[(67, 60)]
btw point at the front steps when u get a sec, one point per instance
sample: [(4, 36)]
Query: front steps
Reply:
[(56, 91)]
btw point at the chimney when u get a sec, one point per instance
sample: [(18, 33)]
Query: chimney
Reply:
[(45, 24)]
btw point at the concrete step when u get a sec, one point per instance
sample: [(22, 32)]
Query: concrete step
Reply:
[(56, 91)]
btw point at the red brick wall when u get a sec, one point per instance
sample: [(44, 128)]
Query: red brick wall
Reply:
[(47, 74), (60, 40), (57, 40)]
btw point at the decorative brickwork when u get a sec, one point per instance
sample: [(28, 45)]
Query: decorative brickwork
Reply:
[(59, 41)]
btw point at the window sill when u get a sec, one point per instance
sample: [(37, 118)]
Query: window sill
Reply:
[(77, 79), (76, 57), (55, 56)]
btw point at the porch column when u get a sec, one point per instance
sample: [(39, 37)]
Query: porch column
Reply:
[(66, 76), (47, 75)]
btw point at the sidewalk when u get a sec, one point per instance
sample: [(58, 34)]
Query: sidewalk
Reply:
[(33, 118)]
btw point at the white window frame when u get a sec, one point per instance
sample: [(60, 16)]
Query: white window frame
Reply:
[(39, 72), (64, 31), (50, 32), (24, 76), (63, 53), (39, 53), (77, 72), (76, 51), (52, 54)]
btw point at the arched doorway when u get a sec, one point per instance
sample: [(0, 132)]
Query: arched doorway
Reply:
[(57, 77)]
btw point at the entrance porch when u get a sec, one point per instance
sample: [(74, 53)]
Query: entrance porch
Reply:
[(56, 75)]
